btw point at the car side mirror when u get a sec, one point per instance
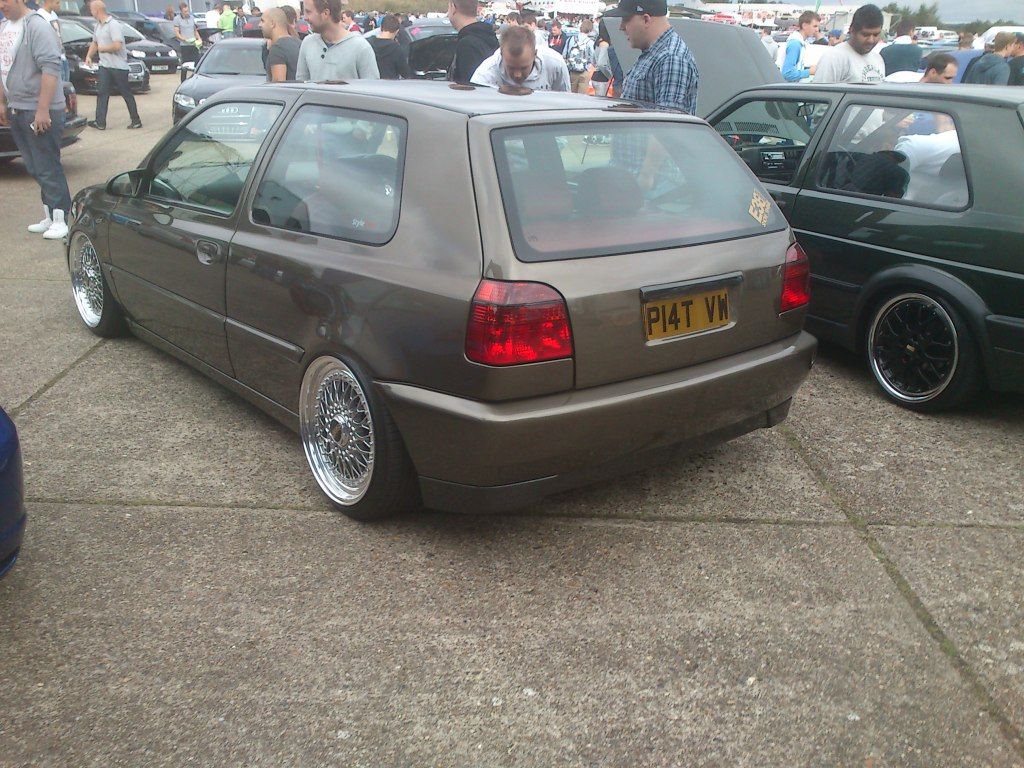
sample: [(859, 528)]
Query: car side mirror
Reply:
[(129, 184), (806, 110), (187, 70)]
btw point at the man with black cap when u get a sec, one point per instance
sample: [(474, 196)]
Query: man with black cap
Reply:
[(665, 74)]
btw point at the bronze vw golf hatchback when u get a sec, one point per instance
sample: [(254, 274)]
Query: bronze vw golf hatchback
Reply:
[(459, 297)]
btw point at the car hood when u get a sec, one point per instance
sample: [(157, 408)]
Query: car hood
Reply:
[(204, 86), (721, 77)]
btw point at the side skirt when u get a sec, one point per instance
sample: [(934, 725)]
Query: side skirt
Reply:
[(265, 404)]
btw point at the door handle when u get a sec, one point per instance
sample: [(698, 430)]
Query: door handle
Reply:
[(207, 252)]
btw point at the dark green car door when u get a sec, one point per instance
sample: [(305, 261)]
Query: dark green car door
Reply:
[(888, 185)]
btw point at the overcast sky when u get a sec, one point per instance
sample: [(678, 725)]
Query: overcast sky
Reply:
[(957, 11)]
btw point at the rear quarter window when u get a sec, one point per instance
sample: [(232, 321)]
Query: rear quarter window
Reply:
[(597, 189)]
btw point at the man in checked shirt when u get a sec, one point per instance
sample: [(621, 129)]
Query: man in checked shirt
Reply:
[(665, 76)]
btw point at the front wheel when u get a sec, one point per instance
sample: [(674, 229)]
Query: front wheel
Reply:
[(96, 305), (353, 447), (922, 353)]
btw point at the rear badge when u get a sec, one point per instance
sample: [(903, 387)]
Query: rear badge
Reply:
[(759, 208)]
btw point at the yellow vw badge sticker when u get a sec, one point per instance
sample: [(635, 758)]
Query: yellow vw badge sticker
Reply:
[(759, 208)]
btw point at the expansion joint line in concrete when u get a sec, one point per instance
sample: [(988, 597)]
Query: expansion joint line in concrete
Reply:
[(57, 379), (967, 673)]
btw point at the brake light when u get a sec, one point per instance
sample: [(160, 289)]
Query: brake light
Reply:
[(796, 279), (517, 323)]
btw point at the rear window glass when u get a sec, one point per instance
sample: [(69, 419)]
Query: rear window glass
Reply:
[(596, 189)]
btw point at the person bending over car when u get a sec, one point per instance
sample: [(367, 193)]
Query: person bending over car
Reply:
[(519, 63)]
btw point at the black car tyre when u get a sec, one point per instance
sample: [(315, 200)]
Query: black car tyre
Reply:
[(353, 447), (96, 305), (922, 353)]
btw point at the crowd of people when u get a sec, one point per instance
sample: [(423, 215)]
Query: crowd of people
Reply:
[(864, 56), (515, 51)]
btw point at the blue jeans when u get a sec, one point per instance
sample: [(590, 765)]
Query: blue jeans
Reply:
[(41, 155)]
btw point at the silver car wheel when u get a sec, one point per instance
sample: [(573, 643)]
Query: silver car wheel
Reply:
[(337, 430), (86, 279)]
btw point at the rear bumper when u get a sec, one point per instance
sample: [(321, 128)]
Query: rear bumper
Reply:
[(1006, 334), (10, 544), (477, 456)]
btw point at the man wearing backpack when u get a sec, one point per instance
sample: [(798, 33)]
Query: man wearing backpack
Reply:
[(579, 56)]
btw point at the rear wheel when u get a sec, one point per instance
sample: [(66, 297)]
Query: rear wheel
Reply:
[(922, 353), (353, 447), (96, 305)]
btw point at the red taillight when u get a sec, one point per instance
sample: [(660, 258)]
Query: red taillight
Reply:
[(516, 323), (796, 279)]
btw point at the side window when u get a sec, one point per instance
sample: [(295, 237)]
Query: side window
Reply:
[(337, 173), (771, 135), (206, 161), (910, 155)]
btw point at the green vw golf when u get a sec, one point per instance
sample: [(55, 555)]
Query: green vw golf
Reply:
[(908, 201)]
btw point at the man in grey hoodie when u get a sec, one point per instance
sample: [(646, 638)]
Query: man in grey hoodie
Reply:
[(32, 104)]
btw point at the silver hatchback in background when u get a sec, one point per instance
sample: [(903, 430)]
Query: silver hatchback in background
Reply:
[(465, 299)]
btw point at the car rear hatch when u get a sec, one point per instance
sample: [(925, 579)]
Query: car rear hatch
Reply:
[(664, 261)]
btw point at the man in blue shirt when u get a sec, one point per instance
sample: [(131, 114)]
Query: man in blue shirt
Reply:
[(793, 68), (666, 74)]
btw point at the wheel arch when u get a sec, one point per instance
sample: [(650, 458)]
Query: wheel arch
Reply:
[(934, 282)]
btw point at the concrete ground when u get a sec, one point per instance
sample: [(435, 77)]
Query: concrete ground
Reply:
[(842, 590)]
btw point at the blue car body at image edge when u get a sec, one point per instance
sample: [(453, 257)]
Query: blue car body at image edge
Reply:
[(12, 497)]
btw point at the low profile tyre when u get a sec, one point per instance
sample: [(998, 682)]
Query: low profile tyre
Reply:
[(96, 305), (922, 353), (353, 447)]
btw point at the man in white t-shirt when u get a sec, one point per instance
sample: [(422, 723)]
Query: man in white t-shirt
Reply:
[(856, 60), (518, 62), (48, 10)]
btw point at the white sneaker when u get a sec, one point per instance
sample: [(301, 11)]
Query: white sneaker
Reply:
[(43, 225), (58, 228)]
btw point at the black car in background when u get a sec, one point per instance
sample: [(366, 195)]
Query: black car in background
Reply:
[(77, 40), (74, 124), (235, 61), (158, 57), (906, 199)]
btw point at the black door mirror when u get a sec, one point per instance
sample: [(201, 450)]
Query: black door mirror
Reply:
[(130, 184)]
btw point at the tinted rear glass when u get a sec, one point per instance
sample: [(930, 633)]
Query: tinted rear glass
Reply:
[(596, 189)]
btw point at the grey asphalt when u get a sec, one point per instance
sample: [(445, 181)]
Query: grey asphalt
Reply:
[(842, 590)]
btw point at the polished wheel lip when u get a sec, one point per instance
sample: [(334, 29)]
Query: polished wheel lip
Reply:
[(337, 431), (883, 333), (86, 279)]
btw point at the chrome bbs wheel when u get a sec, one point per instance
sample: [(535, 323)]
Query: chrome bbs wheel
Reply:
[(86, 279), (337, 430), (913, 348)]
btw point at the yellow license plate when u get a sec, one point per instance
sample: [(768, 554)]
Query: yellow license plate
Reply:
[(684, 315)]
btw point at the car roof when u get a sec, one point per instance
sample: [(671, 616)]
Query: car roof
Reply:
[(472, 101), (241, 42), (1001, 95)]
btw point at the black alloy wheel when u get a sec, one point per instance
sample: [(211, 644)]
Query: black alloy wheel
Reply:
[(922, 353)]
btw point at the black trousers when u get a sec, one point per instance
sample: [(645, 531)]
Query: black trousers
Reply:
[(114, 80)]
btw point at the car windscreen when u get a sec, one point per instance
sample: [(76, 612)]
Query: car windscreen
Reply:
[(131, 34), (233, 60), (73, 32), (594, 189)]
